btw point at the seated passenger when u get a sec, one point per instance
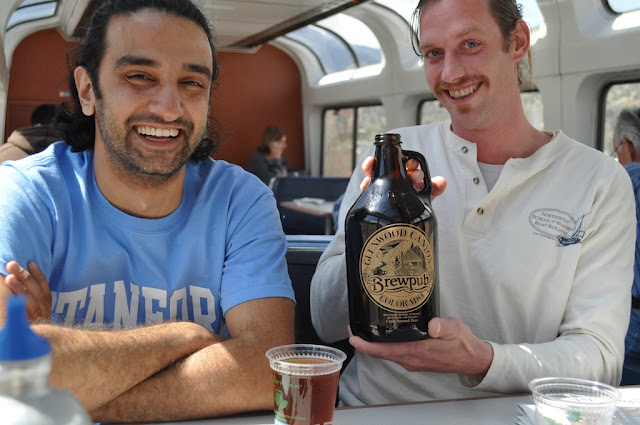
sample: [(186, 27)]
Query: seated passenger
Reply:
[(29, 140), (626, 145), (130, 222), (535, 253), (269, 162)]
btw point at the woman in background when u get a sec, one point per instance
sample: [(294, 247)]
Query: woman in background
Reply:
[(268, 162)]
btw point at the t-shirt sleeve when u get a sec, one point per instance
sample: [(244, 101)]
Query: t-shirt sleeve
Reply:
[(26, 233), (255, 265)]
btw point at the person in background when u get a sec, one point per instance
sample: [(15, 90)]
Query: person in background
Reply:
[(157, 273), (626, 145), (535, 255), (269, 162), (29, 140)]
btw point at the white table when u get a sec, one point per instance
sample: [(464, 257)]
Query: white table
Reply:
[(480, 411), (318, 207), (500, 410)]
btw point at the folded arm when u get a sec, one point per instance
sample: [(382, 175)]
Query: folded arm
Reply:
[(97, 366), (228, 377)]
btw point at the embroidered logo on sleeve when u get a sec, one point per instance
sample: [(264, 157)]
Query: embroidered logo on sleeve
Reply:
[(558, 225)]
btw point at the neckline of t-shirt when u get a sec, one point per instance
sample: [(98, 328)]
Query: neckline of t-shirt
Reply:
[(139, 224)]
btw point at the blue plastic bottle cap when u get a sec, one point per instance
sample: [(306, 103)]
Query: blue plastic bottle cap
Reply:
[(17, 340)]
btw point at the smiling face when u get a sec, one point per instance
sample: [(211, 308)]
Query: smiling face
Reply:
[(155, 80), (466, 63)]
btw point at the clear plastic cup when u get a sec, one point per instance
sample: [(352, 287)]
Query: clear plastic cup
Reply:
[(566, 401), (305, 378)]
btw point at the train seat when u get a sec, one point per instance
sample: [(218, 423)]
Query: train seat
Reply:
[(303, 253), (290, 188)]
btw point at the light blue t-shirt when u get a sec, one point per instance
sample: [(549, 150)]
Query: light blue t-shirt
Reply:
[(223, 246)]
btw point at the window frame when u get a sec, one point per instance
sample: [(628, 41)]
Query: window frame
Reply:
[(608, 8), (602, 103), (32, 4), (354, 129)]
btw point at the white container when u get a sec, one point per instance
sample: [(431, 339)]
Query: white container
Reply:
[(566, 401), (25, 362)]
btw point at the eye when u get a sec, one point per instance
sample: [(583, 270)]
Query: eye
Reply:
[(471, 44), (193, 83), (431, 54), (137, 77)]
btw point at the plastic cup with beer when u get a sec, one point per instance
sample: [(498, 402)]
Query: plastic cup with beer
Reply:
[(561, 401), (305, 378)]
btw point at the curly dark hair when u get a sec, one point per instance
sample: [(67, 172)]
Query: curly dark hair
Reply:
[(78, 129)]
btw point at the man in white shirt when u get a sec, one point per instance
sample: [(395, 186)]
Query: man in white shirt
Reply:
[(535, 256)]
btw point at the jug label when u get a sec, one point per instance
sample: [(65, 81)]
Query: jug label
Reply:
[(397, 267)]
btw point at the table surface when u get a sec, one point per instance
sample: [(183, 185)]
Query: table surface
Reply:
[(481, 411), (500, 410), (316, 207)]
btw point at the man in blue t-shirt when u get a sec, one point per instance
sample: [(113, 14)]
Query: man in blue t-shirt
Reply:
[(130, 222), (626, 144)]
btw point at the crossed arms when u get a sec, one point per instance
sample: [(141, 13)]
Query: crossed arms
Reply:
[(168, 371)]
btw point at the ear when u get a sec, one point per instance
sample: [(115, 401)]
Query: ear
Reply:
[(520, 40), (633, 153), (85, 90)]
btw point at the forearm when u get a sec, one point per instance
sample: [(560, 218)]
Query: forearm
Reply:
[(97, 366), (514, 365), (217, 380), (224, 378)]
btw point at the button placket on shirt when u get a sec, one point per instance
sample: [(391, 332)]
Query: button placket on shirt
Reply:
[(476, 221), (476, 180)]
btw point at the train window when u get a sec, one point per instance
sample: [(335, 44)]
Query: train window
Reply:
[(340, 43), (30, 10), (332, 52), (348, 133), (532, 15), (622, 6), (430, 110), (363, 43), (403, 8), (617, 97), (533, 109)]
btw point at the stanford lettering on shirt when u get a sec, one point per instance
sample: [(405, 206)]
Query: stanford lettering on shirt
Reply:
[(126, 305)]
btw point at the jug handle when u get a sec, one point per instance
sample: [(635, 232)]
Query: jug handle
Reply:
[(426, 192)]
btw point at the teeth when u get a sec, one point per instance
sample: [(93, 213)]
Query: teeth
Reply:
[(456, 94), (157, 132)]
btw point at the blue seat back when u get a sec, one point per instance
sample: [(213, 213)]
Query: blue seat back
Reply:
[(303, 253), (290, 188)]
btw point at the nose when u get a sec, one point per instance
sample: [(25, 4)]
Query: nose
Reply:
[(453, 69), (167, 103)]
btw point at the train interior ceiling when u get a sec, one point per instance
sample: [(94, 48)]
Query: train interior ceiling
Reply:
[(332, 73)]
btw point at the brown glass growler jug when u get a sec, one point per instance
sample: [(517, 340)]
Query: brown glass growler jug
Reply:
[(391, 251)]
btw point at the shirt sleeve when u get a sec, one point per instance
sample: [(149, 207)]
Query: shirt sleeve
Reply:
[(255, 264), (590, 342), (27, 221), (328, 297)]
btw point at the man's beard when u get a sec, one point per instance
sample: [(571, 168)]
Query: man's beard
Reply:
[(131, 162)]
